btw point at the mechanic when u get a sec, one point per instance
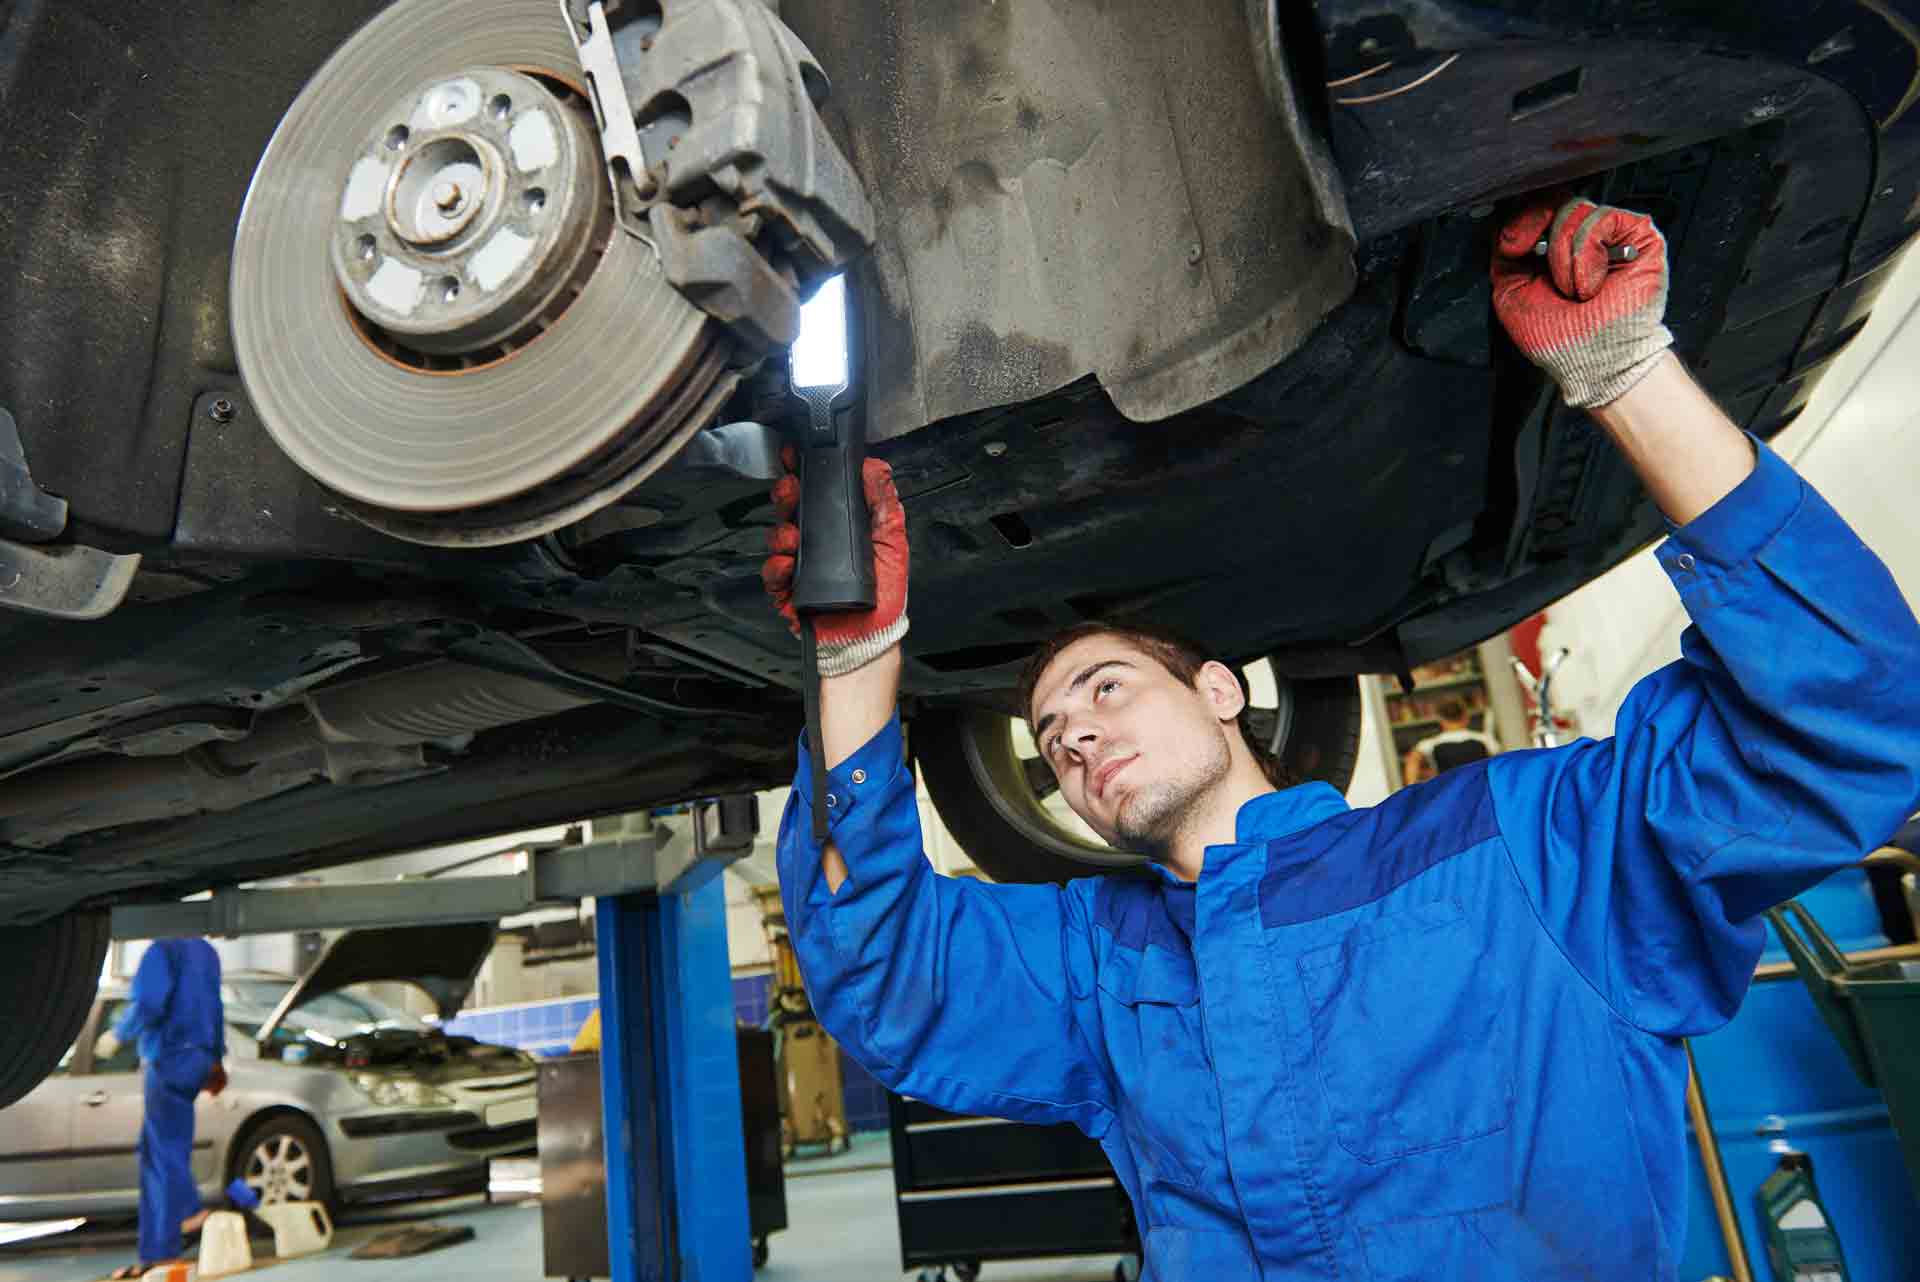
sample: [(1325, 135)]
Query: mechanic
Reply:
[(1435, 1038), (175, 1014), (1456, 743)]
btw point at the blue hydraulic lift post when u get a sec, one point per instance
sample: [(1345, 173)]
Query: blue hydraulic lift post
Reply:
[(670, 1090)]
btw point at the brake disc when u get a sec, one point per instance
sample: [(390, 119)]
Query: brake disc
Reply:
[(433, 315)]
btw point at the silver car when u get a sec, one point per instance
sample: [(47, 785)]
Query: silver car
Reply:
[(332, 1095)]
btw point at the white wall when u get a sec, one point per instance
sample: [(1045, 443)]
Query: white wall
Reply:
[(1858, 443), (746, 941)]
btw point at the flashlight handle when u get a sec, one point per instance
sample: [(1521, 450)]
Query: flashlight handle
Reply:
[(835, 566)]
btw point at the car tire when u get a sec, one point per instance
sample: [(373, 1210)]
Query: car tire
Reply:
[(284, 1138), (987, 798), (1323, 743), (53, 972)]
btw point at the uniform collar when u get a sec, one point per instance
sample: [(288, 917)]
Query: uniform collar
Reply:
[(1269, 817), (1273, 815)]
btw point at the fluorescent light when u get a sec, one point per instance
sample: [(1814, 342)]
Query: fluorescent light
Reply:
[(820, 353)]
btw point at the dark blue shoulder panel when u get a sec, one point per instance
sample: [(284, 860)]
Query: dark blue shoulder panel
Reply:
[(1131, 908), (1358, 857)]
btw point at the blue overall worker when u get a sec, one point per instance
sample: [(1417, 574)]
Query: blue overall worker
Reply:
[(1434, 1039), (175, 1014)]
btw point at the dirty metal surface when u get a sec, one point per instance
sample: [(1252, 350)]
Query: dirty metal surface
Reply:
[(1120, 189)]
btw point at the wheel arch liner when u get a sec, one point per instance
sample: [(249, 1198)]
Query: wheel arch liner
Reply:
[(1048, 180)]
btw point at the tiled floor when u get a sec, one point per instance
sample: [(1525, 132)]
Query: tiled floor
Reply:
[(843, 1230)]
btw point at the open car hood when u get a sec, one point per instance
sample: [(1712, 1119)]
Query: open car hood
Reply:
[(442, 960)]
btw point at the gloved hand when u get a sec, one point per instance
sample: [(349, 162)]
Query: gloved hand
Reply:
[(850, 640), (106, 1046), (1596, 328), (216, 1079)]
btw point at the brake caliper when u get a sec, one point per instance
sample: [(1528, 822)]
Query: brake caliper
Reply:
[(720, 163)]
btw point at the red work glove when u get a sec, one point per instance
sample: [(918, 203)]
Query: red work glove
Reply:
[(851, 639), (1596, 328)]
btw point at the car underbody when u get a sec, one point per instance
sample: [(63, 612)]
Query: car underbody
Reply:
[(1259, 403)]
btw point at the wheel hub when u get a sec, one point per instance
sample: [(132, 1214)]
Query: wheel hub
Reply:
[(432, 316), (466, 215)]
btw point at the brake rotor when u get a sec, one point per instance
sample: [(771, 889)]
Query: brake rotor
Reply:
[(433, 313)]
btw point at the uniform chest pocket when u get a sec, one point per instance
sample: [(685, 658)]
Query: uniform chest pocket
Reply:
[(1150, 1009), (1410, 1034)]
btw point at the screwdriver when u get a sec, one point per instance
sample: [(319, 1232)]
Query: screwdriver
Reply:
[(1616, 254)]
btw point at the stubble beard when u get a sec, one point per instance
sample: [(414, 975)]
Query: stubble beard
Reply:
[(1150, 820)]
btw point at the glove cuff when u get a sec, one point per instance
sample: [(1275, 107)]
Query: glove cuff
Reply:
[(1608, 368), (836, 660)]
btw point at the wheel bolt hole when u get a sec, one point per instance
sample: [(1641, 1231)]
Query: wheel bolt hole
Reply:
[(501, 106), (533, 200), (363, 248), (397, 137), (446, 289)]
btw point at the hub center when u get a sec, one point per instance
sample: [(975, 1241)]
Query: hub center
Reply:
[(467, 216), (439, 190)]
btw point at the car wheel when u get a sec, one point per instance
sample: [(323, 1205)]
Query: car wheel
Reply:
[(284, 1159), (53, 972), (992, 789)]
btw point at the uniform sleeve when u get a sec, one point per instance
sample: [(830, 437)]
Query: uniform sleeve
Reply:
[(1780, 747), (149, 994), (958, 992)]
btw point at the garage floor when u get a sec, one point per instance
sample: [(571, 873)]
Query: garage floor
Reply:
[(843, 1231)]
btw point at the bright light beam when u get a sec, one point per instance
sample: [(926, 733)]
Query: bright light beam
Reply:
[(819, 356)]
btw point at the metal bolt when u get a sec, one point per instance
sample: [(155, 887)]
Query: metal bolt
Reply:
[(995, 448), (221, 410), (447, 196), (1193, 253)]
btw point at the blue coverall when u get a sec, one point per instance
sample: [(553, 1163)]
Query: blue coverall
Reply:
[(175, 1011), (1433, 1039)]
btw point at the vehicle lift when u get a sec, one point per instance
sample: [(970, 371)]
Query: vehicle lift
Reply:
[(676, 1170)]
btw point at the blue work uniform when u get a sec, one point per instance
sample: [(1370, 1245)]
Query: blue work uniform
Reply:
[(1438, 1038), (174, 1011)]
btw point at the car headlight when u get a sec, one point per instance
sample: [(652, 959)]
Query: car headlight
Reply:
[(390, 1091)]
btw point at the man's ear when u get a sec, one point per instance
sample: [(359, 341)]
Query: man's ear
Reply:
[(1222, 688)]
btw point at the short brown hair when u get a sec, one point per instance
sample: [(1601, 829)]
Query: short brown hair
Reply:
[(1172, 651), (1451, 708)]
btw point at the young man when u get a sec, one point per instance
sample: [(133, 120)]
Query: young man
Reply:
[(1435, 1039)]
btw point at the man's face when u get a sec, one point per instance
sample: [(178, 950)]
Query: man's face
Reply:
[(1131, 744)]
